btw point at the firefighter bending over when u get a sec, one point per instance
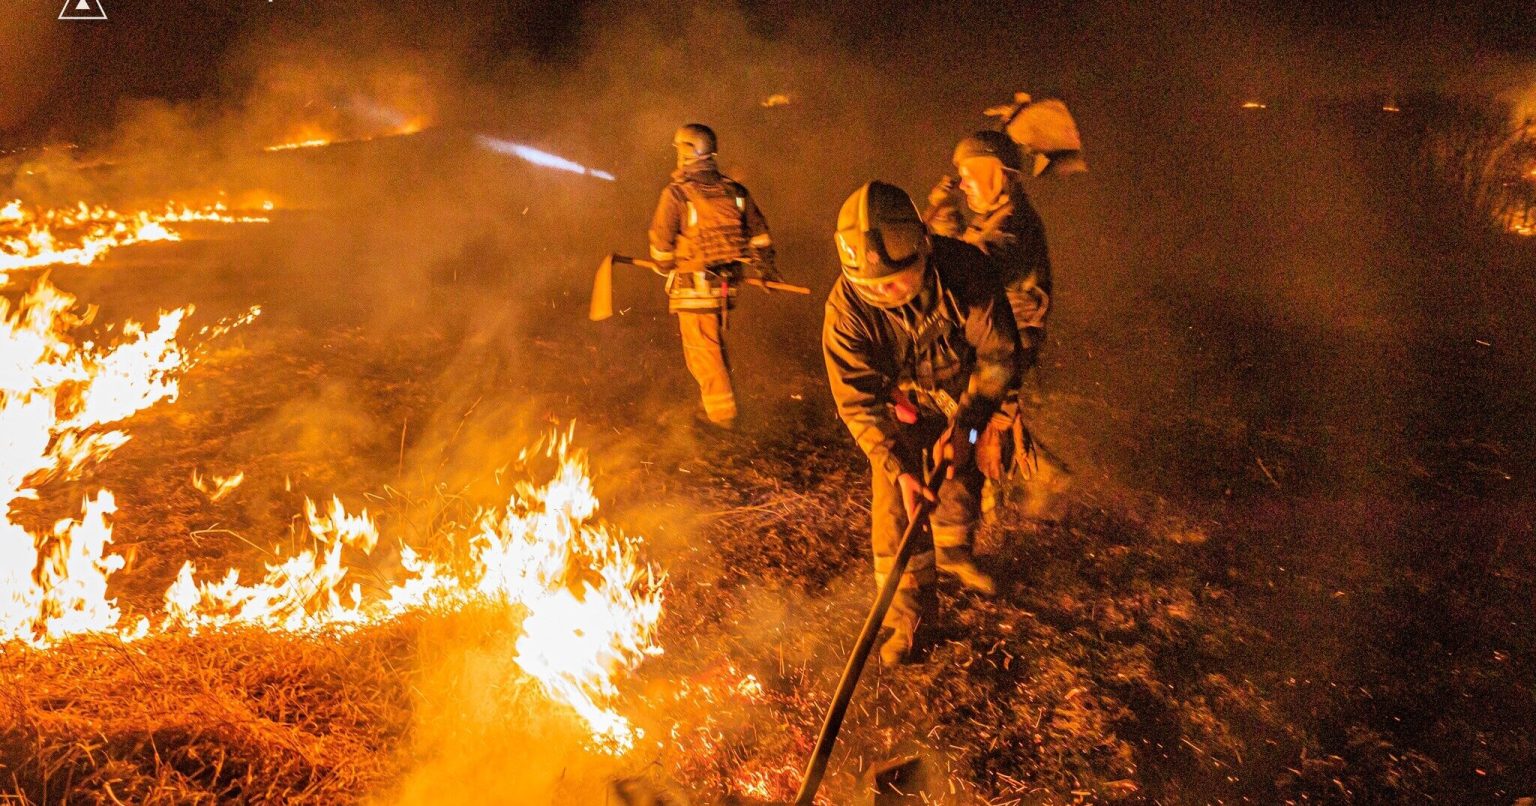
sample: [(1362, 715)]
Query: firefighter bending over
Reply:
[(920, 350), (708, 236)]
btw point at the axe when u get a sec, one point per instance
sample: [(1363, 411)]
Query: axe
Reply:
[(602, 284)]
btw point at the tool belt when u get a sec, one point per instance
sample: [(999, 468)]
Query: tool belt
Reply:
[(708, 289)]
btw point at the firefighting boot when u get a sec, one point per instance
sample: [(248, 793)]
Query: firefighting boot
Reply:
[(958, 563), (908, 609), (992, 497), (897, 649), (703, 424)]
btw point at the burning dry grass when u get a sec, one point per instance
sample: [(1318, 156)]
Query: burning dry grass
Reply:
[(1132, 656), (1116, 666), (242, 715)]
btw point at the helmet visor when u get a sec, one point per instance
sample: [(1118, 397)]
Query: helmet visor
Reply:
[(899, 243), (889, 249)]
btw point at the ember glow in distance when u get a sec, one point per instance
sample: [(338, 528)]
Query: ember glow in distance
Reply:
[(541, 158)]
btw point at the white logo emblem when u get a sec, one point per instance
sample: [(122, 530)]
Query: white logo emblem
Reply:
[(83, 10), (850, 255)]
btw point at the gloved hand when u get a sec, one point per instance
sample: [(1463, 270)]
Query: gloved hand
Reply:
[(914, 491), (992, 446), (946, 193), (958, 446), (762, 267)]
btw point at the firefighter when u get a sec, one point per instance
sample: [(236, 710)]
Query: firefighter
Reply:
[(989, 209), (708, 236), (920, 351)]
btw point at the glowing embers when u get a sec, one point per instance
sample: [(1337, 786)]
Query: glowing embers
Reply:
[(1521, 223), (587, 605), (80, 235), (57, 392), (713, 738)]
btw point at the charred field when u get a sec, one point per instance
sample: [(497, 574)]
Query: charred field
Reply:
[(1292, 562)]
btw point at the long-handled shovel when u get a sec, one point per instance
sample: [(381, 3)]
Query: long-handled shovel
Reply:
[(817, 768)]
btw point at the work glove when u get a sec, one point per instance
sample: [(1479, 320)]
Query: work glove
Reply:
[(993, 445), (957, 445), (762, 267), (913, 492), (945, 193)]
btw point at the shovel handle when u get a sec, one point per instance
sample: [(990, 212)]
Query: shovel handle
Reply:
[(817, 768)]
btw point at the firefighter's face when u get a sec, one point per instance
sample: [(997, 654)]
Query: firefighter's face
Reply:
[(981, 179), (893, 290)]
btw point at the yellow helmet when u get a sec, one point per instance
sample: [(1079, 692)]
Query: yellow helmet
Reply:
[(879, 236)]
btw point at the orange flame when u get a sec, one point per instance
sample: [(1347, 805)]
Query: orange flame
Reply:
[(314, 137), (216, 487), (55, 396), (589, 605), (577, 634), (80, 235)]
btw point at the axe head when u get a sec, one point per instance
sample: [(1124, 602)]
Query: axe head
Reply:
[(602, 291)]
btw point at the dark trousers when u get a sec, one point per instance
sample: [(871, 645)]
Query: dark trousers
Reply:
[(951, 526)]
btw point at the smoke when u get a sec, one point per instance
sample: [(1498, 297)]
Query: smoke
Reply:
[(27, 71), (484, 733)]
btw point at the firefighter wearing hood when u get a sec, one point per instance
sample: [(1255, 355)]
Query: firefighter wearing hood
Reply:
[(920, 351), (988, 208), (708, 236)]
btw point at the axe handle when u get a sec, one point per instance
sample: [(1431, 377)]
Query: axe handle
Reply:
[(641, 262), (774, 285), (771, 285)]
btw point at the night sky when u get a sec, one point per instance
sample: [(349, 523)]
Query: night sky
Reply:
[(62, 78)]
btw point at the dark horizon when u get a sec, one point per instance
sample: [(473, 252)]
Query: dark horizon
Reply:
[(65, 79)]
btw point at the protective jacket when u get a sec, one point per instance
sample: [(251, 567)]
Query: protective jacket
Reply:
[(1013, 236), (953, 350), (708, 232)]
